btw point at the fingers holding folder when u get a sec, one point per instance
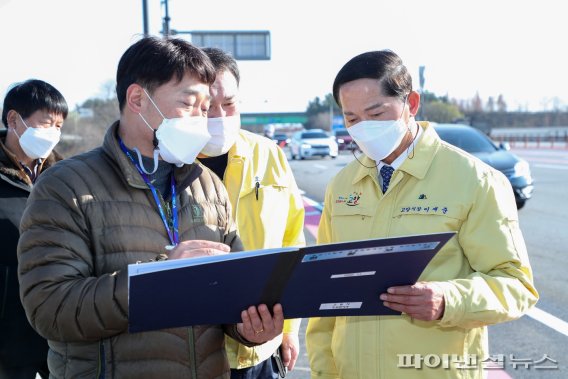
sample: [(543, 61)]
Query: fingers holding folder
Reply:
[(259, 325), (198, 248)]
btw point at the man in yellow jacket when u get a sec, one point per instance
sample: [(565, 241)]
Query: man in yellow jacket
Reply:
[(410, 182), (267, 205)]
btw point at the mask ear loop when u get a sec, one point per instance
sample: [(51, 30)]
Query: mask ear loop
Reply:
[(154, 104), (409, 152), (155, 140), (16, 133), (156, 150), (361, 163), (141, 163), (23, 122)]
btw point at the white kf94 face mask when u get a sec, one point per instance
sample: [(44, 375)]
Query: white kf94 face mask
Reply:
[(38, 142), (224, 132), (378, 139), (180, 139)]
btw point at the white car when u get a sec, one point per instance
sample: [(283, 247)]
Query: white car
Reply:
[(313, 142)]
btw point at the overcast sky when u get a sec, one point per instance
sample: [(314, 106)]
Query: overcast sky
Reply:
[(515, 48)]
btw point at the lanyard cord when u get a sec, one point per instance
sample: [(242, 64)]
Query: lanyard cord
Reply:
[(172, 231)]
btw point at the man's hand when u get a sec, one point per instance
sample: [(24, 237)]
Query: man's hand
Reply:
[(290, 349), (422, 301), (197, 248), (259, 325)]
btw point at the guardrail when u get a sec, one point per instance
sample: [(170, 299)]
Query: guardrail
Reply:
[(529, 141)]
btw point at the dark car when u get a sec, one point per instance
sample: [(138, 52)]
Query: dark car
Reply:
[(281, 140), (473, 141), (343, 139)]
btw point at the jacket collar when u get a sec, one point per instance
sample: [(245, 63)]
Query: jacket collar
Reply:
[(240, 149), (183, 175), (239, 178), (11, 169), (365, 167), (424, 152)]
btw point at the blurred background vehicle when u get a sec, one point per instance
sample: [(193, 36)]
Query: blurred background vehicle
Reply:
[(268, 131), (313, 142), (473, 141), (343, 139), (281, 140)]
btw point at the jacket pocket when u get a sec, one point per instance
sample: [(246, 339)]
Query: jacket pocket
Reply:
[(256, 216), (270, 196), (351, 211), (351, 223), (267, 193)]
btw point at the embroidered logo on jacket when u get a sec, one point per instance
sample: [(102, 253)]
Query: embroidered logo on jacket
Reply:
[(197, 213), (351, 200)]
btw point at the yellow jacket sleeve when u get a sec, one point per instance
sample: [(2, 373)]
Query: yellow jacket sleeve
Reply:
[(292, 326), (501, 288), (320, 329), (294, 234)]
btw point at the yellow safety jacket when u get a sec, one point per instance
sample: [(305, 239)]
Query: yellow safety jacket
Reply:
[(484, 270), (269, 212)]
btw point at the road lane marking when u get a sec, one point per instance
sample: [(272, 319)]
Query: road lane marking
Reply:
[(320, 166), (296, 368), (552, 166), (549, 320), (312, 213), (544, 153), (312, 203), (492, 374)]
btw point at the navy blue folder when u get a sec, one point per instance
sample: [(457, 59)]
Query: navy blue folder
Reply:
[(340, 279)]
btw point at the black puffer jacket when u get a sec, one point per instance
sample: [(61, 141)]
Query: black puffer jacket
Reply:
[(20, 345), (84, 223)]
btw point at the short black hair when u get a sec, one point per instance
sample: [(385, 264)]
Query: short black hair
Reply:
[(152, 61), (223, 61), (383, 65), (31, 96)]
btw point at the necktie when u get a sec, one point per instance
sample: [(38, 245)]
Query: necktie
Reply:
[(386, 174)]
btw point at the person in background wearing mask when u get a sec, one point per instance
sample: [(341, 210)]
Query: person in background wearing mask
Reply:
[(410, 182), (138, 197), (33, 113), (267, 206)]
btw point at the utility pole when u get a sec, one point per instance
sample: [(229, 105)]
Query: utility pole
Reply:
[(422, 81), (166, 21), (330, 114), (145, 17)]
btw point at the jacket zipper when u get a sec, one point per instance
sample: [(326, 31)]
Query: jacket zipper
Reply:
[(5, 294), (192, 358), (101, 368)]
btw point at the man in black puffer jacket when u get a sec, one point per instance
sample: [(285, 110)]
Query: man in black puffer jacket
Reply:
[(33, 113)]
